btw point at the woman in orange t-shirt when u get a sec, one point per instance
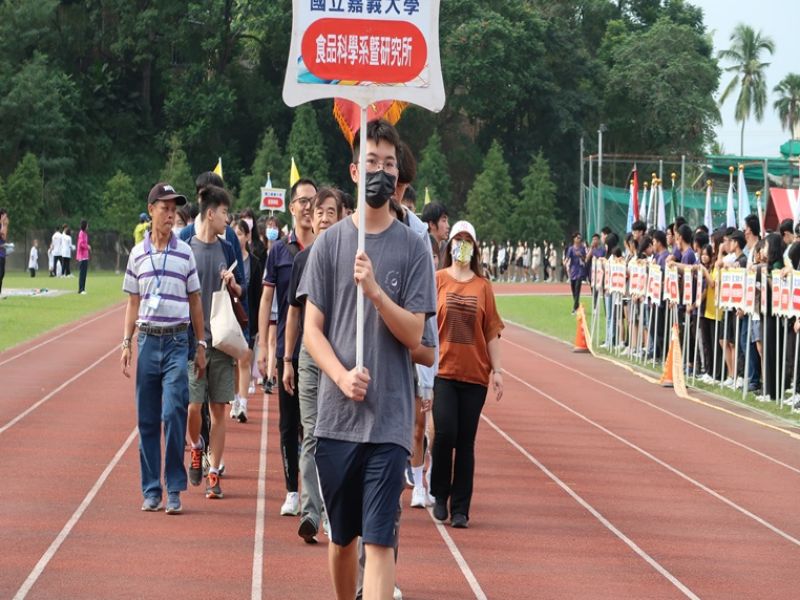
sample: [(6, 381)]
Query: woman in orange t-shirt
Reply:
[(469, 341)]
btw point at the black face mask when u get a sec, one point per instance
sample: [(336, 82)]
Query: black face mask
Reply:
[(379, 188)]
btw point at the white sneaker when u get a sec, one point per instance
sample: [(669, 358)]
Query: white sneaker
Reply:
[(235, 408), (242, 416), (397, 594), (418, 497), (728, 382), (252, 389), (326, 526), (291, 506)]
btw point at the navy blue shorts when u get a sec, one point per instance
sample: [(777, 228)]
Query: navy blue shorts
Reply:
[(361, 486)]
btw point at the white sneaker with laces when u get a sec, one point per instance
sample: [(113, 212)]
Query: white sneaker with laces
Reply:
[(418, 497), (252, 389), (291, 506), (397, 594), (728, 382), (235, 408)]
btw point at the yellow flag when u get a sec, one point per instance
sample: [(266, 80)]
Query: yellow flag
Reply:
[(294, 174), (427, 196), (218, 168)]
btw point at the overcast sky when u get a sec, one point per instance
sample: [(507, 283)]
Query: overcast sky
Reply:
[(780, 20)]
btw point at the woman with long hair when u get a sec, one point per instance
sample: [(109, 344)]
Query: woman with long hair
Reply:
[(773, 367), (253, 272), (469, 360), (82, 256)]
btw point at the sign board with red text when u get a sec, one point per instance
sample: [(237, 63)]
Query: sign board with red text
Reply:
[(655, 284), (750, 292), (365, 51), (273, 199), (737, 279), (672, 292)]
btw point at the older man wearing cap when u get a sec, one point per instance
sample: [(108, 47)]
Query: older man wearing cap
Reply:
[(163, 294)]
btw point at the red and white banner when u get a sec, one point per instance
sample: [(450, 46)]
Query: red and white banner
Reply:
[(655, 280), (672, 293), (737, 278), (750, 292)]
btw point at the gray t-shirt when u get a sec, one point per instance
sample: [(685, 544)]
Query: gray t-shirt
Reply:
[(210, 259), (403, 268)]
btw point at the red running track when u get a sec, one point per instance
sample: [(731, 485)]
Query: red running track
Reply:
[(590, 483)]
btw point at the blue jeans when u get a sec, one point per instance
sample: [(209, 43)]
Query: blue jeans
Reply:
[(162, 394), (754, 367)]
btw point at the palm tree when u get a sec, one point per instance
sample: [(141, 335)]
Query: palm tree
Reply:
[(745, 52), (788, 104)]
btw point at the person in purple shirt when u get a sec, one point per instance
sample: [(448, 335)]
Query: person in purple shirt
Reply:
[(575, 263), (661, 252)]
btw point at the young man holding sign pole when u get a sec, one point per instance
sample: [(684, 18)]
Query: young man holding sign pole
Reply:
[(365, 415)]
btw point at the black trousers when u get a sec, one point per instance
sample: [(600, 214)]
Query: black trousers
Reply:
[(84, 269), (2, 271), (774, 367), (575, 284), (290, 428), (457, 410), (65, 270)]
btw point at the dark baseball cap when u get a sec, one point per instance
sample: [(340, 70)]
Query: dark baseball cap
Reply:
[(164, 191)]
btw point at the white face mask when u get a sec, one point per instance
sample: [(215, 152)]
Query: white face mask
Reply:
[(177, 229), (461, 251)]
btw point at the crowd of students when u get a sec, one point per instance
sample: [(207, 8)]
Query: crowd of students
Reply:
[(351, 438), (748, 346)]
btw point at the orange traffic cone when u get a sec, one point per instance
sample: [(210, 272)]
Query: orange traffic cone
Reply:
[(666, 375), (580, 336)]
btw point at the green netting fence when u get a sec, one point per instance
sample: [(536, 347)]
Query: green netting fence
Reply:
[(615, 207)]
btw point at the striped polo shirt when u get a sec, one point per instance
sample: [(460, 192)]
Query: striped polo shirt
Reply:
[(177, 274)]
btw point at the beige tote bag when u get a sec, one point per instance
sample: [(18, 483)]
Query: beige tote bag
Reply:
[(226, 333)]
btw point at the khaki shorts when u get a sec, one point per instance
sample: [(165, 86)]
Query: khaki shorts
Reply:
[(217, 383)]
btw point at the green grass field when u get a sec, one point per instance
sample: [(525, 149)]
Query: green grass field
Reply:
[(25, 317), (548, 314), (551, 315)]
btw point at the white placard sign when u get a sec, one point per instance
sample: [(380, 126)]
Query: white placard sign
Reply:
[(273, 199), (365, 51)]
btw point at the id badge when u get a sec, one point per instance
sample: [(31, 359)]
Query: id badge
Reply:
[(153, 301)]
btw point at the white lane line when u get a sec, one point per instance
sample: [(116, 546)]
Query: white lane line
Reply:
[(60, 335), (73, 520), (258, 541), (595, 513), (661, 409), (30, 409), (660, 462), (459, 558)]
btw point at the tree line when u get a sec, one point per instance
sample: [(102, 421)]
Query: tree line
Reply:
[(99, 99)]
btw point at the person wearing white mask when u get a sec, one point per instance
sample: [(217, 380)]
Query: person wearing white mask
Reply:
[(469, 361)]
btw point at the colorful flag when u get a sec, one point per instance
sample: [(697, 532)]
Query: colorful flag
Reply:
[(662, 213), (294, 174), (761, 214), (674, 200), (348, 114), (744, 200), (644, 215), (630, 219), (218, 168), (730, 217), (707, 220), (427, 196), (636, 210)]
